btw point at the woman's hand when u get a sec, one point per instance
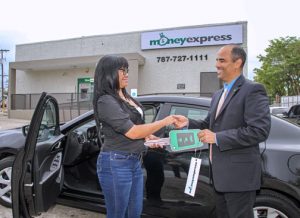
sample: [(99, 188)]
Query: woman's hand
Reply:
[(169, 120), (153, 137)]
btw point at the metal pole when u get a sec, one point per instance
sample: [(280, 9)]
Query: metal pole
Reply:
[(2, 76)]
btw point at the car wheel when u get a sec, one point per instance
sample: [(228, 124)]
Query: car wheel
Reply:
[(5, 180), (272, 204)]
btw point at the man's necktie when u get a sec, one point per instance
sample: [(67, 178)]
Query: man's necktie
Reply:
[(221, 102)]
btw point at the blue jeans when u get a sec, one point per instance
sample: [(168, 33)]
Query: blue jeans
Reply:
[(121, 178)]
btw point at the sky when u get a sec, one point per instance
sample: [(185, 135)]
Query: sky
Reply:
[(27, 21)]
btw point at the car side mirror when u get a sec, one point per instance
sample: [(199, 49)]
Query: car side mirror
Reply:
[(285, 114), (25, 130)]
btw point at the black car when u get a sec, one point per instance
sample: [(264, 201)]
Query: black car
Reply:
[(58, 164), (293, 114)]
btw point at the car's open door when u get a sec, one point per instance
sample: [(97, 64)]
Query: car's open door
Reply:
[(37, 174)]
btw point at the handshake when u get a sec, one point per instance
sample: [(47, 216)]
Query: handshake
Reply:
[(178, 121)]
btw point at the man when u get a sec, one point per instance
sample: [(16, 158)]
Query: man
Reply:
[(234, 131)]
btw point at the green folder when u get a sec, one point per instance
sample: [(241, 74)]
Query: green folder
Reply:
[(184, 139)]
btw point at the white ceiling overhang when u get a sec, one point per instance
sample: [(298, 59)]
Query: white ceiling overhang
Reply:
[(68, 63)]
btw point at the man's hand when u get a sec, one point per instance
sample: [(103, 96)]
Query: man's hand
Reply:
[(207, 136)]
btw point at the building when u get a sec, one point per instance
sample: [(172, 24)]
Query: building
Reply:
[(165, 61)]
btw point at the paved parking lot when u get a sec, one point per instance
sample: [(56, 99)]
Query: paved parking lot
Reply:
[(58, 211), (6, 123)]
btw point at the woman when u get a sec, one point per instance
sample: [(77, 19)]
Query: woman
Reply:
[(122, 124)]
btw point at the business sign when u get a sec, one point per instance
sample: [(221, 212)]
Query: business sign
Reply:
[(215, 35), (133, 93), (85, 86)]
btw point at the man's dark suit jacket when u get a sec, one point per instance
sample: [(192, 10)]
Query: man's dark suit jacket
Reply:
[(243, 122)]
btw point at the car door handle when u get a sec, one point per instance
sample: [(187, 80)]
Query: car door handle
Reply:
[(57, 146), (28, 185)]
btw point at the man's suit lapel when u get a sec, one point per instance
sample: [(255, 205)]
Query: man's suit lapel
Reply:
[(233, 91)]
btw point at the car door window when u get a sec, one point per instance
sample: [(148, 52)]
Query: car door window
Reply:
[(150, 112), (48, 124), (189, 112)]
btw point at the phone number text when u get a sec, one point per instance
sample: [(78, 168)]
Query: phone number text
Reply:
[(181, 58)]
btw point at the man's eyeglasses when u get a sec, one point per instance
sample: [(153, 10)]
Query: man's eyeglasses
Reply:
[(125, 71)]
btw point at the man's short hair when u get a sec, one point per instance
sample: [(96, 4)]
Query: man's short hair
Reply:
[(238, 52)]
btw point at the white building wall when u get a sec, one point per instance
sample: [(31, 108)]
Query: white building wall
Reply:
[(63, 81), (152, 77), (163, 77), (84, 46)]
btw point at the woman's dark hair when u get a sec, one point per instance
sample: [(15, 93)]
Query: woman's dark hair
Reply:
[(106, 79)]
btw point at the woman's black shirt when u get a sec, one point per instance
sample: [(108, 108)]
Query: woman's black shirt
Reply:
[(117, 117)]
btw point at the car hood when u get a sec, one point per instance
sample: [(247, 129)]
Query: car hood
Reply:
[(12, 138)]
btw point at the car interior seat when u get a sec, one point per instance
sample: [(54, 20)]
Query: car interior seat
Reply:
[(73, 149)]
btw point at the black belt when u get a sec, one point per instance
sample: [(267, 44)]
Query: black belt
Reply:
[(139, 156)]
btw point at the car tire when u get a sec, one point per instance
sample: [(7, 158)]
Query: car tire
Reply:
[(273, 204), (5, 180)]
